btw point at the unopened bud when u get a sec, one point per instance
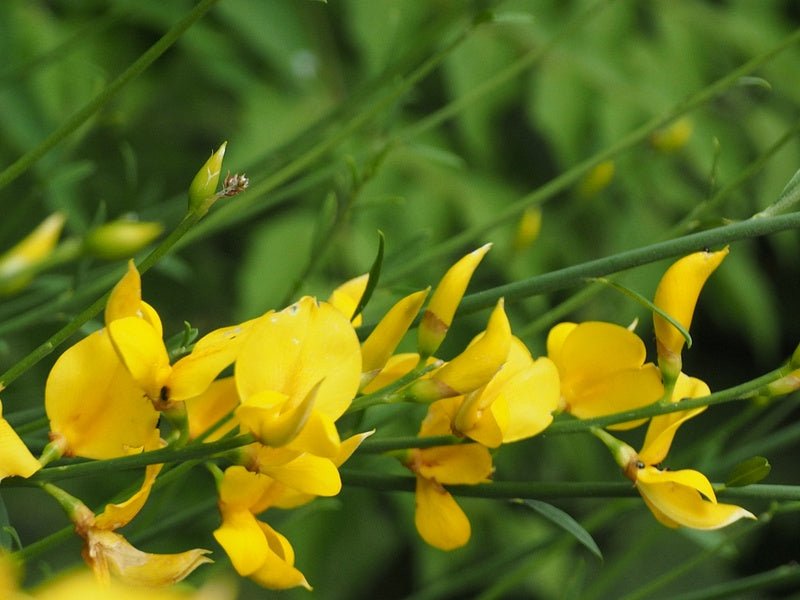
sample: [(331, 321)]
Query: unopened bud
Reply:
[(203, 189), (120, 239), (16, 263), (597, 179), (673, 137)]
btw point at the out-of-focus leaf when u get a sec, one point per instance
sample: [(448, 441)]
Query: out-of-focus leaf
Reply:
[(747, 472)]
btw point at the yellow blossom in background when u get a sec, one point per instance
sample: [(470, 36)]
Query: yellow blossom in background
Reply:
[(674, 136), (602, 369), (474, 367), (28, 253), (346, 297), (677, 295), (439, 519), (446, 297), (597, 179), (120, 239), (528, 228)]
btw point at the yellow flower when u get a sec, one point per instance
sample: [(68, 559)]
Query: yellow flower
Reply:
[(438, 518), (602, 371), (256, 550), (446, 298), (297, 373), (677, 295), (16, 263), (474, 367), (517, 403), (676, 498)]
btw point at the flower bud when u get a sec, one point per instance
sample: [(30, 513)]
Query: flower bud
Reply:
[(597, 179), (382, 342), (677, 295), (472, 368), (673, 137), (120, 239), (528, 228), (29, 252), (446, 298), (203, 189)]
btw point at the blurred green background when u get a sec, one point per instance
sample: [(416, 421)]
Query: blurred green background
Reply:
[(325, 107)]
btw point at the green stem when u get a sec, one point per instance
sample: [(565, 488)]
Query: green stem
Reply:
[(570, 177), (164, 455), (379, 446), (551, 490), (188, 221), (84, 114), (385, 395), (779, 577)]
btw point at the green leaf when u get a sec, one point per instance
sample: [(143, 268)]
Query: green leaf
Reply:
[(372, 280), (565, 522), (747, 472)]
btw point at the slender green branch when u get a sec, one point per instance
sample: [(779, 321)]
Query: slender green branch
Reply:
[(84, 114), (370, 446), (570, 177), (571, 276), (164, 455), (782, 577), (560, 489)]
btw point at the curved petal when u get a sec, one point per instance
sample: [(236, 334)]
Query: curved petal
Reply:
[(206, 410), (685, 506), (278, 571), (243, 541), (294, 350), (685, 477), (319, 436), (555, 341), (594, 351), (94, 404), (439, 519), (346, 297), (662, 428), (15, 458), (461, 463), (531, 396), (617, 392), (143, 353), (308, 474), (126, 296), (383, 340), (397, 366), (241, 489), (440, 417)]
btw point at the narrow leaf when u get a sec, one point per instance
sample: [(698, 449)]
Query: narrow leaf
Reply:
[(565, 522), (645, 302), (372, 280), (747, 472)]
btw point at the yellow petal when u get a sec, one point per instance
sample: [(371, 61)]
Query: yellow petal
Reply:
[(440, 416), (241, 489), (475, 366), (29, 252), (242, 539), (271, 418), (555, 340), (446, 298), (126, 297), (397, 366), (143, 353), (383, 340), (278, 572), (346, 297), (685, 506), (685, 477), (349, 446), (439, 520), (292, 351), (617, 392), (677, 295), (120, 514), (318, 436), (192, 374), (662, 428), (94, 404), (308, 474), (461, 463), (110, 553), (531, 396), (205, 410), (15, 458), (594, 350)]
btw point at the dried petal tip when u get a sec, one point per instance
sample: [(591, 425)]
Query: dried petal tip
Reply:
[(234, 184)]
